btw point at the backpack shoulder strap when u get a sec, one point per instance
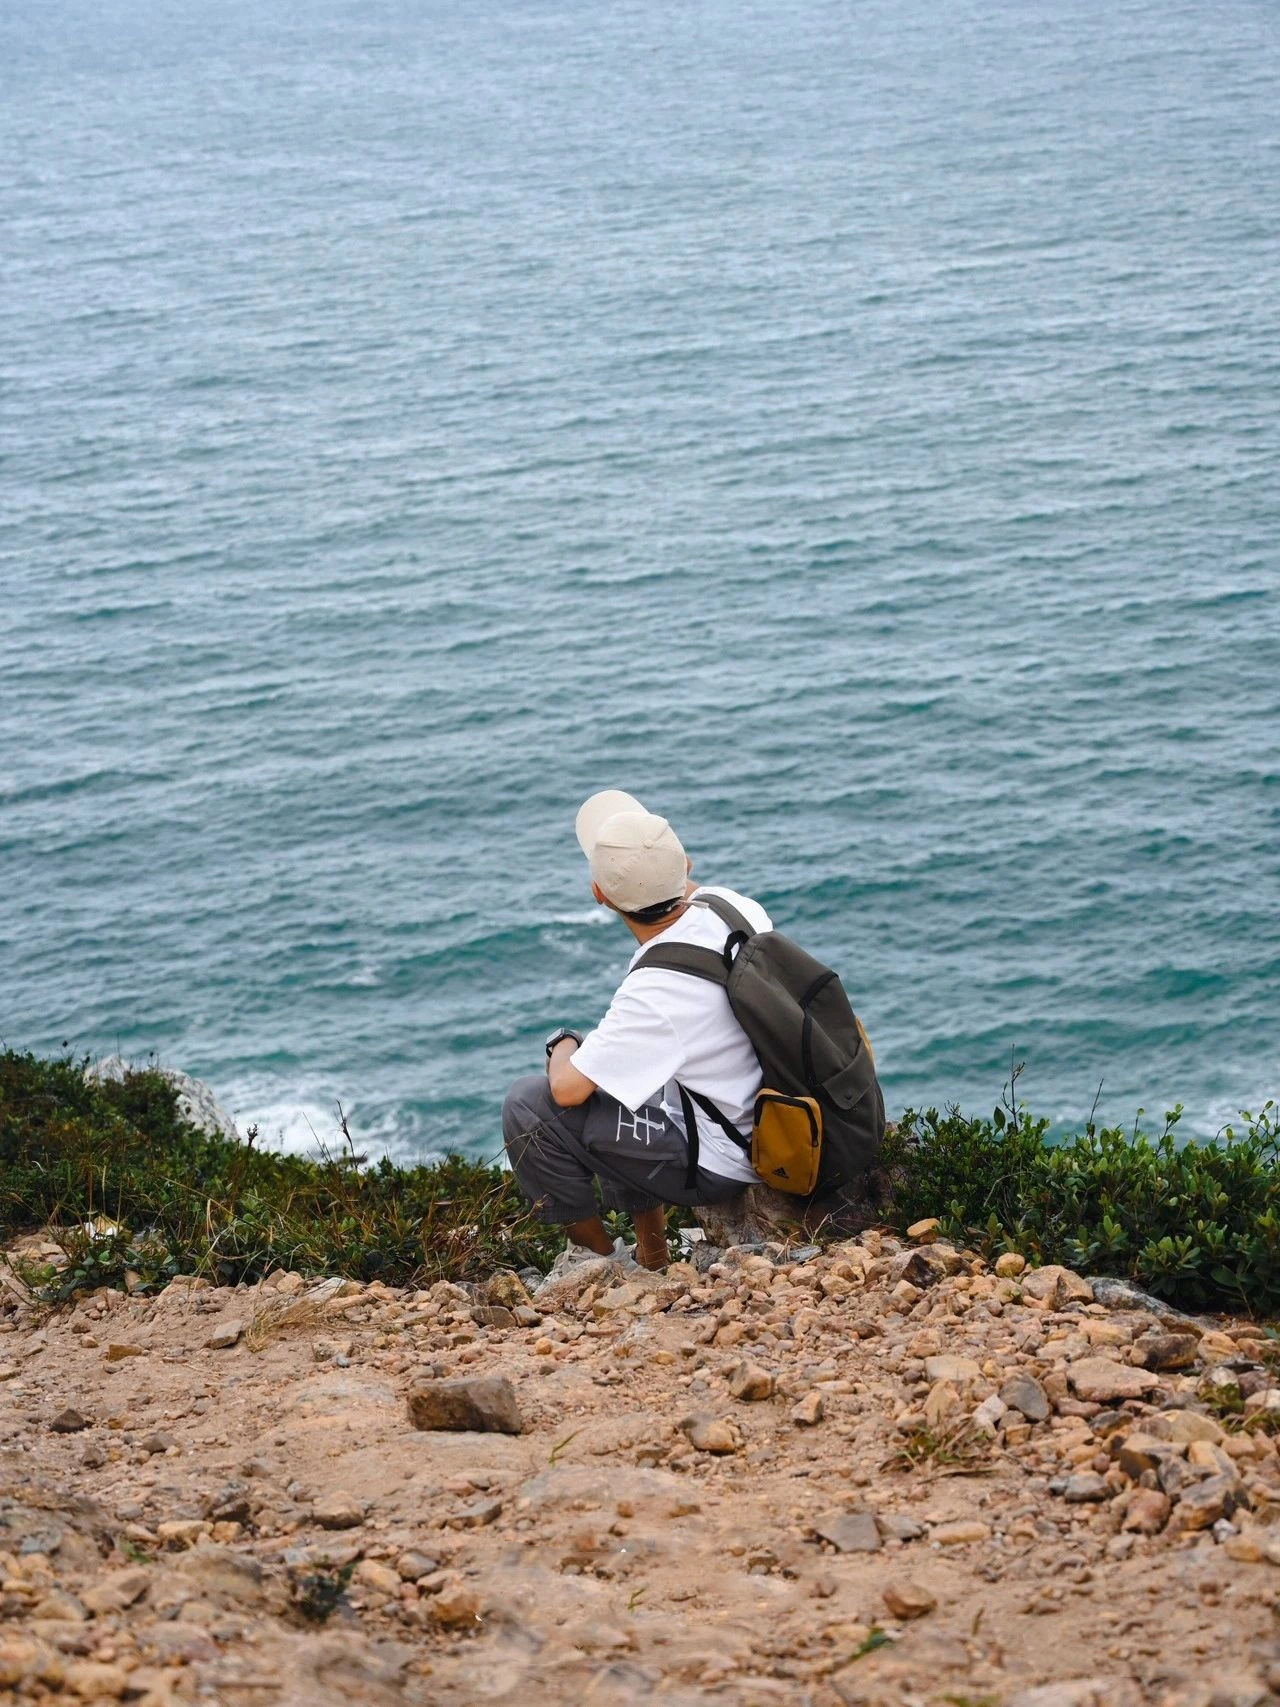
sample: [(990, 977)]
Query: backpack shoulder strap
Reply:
[(687, 957), (723, 910)]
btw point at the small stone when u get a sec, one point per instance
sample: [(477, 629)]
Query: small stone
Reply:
[(182, 1531), (57, 1607), (926, 1231), (225, 1335), (1080, 1692), (926, 1265), (1055, 1286), (457, 1604), (1216, 1347), (907, 1599), (749, 1381), (373, 1574), (478, 1515), (894, 1526), (809, 1411), (1137, 1452), (1085, 1488), (483, 1404), (1166, 1351), (492, 1316), (989, 1413), (1147, 1512), (94, 1681), (948, 1367), (117, 1590), (412, 1566), (705, 1433), (69, 1421), (850, 1532), (1010, 1265), (119, 1350), (1203, 1503), (338, 1511), (959, 1533), (1243, 1549), (942, 1402), (157, 1443), (223, 1575), (1102, 1380), (507, 1288), (1023, 1393), (1186, 1426)]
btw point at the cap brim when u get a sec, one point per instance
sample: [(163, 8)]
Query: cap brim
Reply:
[(594, 812)]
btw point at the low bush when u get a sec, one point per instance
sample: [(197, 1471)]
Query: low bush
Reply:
[(129, 1186), (132, 1189), (1198, 1224)]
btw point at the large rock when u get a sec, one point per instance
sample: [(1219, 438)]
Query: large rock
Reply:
[(482, 1404), (758, 1215), (197, 1104), (1104, 1381), (1117, 1294)]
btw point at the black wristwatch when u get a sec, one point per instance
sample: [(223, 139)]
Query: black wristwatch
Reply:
[(559, 1035)]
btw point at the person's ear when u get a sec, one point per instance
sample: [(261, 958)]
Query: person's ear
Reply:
[(688, 865), (599, 895)]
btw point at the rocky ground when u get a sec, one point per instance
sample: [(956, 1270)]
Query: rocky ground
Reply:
[(876, 1474)]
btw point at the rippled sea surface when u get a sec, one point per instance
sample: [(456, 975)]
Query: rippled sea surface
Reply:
[(852, 427)]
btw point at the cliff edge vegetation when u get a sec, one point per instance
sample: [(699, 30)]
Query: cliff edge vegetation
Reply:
[(135, 1195)]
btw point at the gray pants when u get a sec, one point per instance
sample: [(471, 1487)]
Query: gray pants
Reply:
[(557, 1154)]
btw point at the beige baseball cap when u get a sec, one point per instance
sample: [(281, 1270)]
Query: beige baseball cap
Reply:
[(635, 856)]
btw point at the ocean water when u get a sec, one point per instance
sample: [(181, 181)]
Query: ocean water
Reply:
[(851, 425)]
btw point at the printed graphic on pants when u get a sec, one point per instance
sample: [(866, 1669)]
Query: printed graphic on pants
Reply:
[(640, 1128)]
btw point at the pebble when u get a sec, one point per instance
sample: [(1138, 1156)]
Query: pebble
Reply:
[(1024, 1394), (907, 1599), (1103, 1380), (958, 1533), (1147, 1511), (810, 1410), (225, 1334), (850, 1532), (750, 1381), (69, 1421), (716, 1435), (338, 1511), (949, 1367), (93, 1681)]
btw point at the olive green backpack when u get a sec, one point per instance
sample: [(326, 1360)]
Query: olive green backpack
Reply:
[(818, 1120)]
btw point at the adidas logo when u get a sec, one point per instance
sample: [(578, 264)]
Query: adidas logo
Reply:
[(781, 1173)]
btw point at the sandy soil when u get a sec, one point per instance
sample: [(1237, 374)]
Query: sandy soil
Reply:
[(878, 1475)]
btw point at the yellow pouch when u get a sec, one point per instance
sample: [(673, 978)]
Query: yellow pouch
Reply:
[(786, 1141)]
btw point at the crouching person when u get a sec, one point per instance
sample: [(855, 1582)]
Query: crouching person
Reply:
[(623, 1109)]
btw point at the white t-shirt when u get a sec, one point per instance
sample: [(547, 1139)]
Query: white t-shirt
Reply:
[(662, 1026)]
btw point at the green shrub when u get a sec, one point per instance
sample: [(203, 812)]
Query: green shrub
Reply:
[(87, 1158), (132, 1189), (1195, 1223)]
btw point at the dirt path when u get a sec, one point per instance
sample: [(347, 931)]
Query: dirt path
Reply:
[(881, 1475)]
